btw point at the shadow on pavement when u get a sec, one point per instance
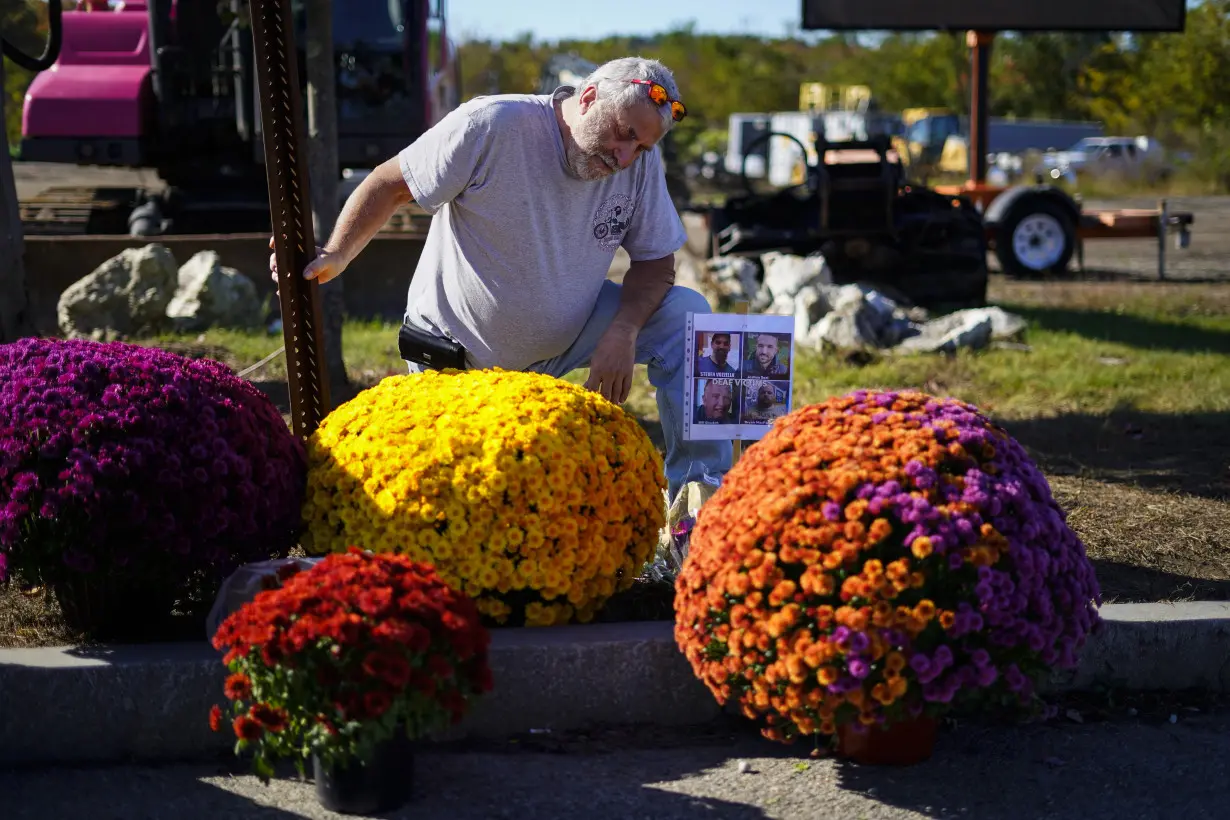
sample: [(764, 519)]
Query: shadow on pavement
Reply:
[(616, 774), (531, 786), (1090, 772), (129, 793), (1127, 583)]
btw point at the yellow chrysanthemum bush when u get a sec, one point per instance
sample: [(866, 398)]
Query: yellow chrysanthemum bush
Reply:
[(538, 498)]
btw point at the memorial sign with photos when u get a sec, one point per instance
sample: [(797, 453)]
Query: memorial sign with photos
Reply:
[(740, 375)]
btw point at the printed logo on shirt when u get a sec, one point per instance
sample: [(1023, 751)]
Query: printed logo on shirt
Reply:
[(611, 221)]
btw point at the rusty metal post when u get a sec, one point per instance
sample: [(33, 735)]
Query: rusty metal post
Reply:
[(1163, 230), (979, 43), (290, 208)]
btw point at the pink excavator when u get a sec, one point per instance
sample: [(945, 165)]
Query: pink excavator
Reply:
[(169, 85)]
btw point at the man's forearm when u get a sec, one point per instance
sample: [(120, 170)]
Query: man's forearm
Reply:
[(367, 210), (645, 286)]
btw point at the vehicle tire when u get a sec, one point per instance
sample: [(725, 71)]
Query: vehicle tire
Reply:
[(1036, 237)]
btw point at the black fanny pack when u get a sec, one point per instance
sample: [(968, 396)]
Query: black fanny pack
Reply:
[(431, 352)]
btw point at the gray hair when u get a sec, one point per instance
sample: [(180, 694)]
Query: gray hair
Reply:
[(611, 82)]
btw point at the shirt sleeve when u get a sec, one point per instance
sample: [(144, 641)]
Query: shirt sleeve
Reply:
[(656, 228), (441, 164)]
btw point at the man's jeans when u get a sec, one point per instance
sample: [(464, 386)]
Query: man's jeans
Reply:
[(661, 346)]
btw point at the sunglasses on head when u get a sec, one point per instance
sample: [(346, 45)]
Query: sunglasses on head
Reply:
[(658, 94)]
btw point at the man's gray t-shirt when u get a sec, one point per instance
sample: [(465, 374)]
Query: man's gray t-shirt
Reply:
[(518, 247)]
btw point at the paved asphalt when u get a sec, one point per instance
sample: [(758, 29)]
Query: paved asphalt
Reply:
[(1128, 768)]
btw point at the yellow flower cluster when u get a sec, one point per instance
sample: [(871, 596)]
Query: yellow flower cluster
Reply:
[(538, 498)]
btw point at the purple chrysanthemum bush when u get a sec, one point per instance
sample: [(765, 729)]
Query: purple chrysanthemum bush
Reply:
[(124, 461)]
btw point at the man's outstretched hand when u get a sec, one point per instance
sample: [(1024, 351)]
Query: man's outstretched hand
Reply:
[(610, 368), (327, 265)]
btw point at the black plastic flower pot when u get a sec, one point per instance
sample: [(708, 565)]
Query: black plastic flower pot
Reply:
[(112, 608), (384, 783)]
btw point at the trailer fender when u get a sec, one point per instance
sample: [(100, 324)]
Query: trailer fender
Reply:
[(1003, 204)]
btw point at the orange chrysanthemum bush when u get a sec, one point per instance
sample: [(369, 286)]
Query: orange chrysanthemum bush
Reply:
[(878, 557)]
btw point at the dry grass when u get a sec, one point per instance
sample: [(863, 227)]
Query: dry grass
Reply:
[(1123, 399), (32, 618)]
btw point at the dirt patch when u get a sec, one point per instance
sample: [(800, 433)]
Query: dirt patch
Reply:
[(1149, 545)]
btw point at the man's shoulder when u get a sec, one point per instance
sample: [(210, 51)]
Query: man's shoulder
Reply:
[(504, 109)]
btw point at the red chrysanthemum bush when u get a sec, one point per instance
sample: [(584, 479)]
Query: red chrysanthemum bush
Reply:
[(341, 656), (875, 558)]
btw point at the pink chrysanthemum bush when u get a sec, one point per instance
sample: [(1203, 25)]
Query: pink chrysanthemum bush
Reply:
[(126, 462)]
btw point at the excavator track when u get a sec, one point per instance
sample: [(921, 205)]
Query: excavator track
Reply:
[(78, 211)]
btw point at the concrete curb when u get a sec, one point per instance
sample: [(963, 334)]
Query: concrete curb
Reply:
[(150, 702)]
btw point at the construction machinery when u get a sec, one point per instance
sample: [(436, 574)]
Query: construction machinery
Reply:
[(170, 85), (936, 140), (857, 208), (872, 221)]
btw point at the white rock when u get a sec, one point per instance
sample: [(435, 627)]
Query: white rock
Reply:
[(734, 277), (948, 333), (211, 295), (786, 274), (125, 296)]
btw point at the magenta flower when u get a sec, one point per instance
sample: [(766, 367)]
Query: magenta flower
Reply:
[(115, 456)]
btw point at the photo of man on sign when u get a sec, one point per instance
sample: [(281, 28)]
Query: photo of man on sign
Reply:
[(767, 355), (716, 402), (719, 358), (764, 402)]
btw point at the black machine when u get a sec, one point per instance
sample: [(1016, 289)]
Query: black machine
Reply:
[(193, 118), (856, 207)]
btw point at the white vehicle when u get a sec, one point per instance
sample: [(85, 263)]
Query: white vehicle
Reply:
[(1138, 158)]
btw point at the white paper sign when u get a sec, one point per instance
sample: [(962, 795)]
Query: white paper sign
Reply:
[(740, 375)]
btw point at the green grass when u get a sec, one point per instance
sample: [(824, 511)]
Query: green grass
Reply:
[(1078, 361), (369, 348), (1094, 348)]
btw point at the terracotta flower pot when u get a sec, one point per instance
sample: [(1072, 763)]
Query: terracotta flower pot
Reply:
[(385, 783), (901, 744)]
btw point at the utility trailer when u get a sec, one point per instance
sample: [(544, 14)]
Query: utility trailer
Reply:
[(910, 240)]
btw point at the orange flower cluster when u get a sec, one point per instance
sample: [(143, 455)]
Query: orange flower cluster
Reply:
[(876, 555)]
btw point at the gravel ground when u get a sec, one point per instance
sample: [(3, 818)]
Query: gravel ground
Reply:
[(1136, 258), (1129, 767)]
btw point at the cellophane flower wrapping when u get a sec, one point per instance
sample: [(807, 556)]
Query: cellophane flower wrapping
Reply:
[(538, 498), (876, 557), (118, 458), (337, 658)]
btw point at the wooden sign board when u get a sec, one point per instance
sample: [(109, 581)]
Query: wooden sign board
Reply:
[(995, 15)]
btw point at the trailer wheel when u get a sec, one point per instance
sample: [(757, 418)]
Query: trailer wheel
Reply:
[(1035, 238)]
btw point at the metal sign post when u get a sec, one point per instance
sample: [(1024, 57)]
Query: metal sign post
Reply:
[(290, 208)]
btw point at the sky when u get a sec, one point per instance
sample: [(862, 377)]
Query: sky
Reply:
[(586, 19)]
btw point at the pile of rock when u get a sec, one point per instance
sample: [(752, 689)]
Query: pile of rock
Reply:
[(848, 317), (143, 291)]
